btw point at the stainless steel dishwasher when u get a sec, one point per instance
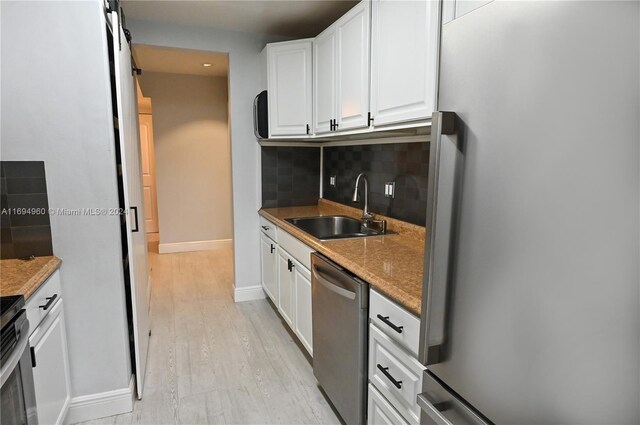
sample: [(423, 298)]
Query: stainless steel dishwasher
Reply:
[(340, 305)]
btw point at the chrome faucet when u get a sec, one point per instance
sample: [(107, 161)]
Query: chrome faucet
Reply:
[(366, 215)]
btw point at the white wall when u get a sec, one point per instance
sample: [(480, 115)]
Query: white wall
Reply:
[(193, 157), (56, 107), (244, 85)]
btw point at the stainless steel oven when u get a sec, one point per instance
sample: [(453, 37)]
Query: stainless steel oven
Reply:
[(17, 398)]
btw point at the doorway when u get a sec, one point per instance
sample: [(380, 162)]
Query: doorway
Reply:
[(148, 166), (185, 148)]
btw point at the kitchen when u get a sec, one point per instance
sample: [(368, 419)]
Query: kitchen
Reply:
[(430, 221)]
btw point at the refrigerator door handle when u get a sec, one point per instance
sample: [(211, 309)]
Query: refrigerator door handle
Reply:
[(441, 406), (445, 167), (437, 412), (433, 413)]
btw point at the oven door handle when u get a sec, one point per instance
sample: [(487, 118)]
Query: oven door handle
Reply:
[(16, 355)]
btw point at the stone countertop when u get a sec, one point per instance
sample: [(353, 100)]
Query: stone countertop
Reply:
[(391, 264), (24, 277)]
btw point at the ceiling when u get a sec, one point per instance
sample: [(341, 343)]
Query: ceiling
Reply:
[(291, 18), (180, 61)]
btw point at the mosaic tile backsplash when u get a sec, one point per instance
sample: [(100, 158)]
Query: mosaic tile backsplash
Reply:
[(406, 164), (26, 228), (290, 176)]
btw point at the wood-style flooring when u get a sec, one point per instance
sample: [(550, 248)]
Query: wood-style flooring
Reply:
[(213, 361)]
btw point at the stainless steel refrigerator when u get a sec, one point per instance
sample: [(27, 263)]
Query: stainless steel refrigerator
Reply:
[(531, 300)]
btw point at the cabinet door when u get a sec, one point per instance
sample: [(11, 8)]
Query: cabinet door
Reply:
[(269, 263), (324, 78), (303, 327), (453, 9), (380, 411), (51, 374), (285, 286), (353, 67), (289, 87), (404, 53)]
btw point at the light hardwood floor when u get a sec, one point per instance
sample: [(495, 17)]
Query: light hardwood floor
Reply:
[(214, 361)]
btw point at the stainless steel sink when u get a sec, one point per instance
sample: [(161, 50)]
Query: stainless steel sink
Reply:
[(334, 227)]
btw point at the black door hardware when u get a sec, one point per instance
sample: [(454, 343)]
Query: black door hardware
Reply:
[(290, 265), (33, 357), (50, 300), (308, 129), (265, 228), (369, 119), (385, 371), (135, 216), (273, 248), (387, 322)]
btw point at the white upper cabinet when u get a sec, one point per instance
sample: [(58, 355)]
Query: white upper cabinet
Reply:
[(289, 87), (324, 80), (341, 73), (404, 54), (353, 67)]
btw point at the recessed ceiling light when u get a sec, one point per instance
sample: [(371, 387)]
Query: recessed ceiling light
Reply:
[(207, 65)]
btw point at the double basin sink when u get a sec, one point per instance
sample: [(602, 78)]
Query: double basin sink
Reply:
[(334, 227)]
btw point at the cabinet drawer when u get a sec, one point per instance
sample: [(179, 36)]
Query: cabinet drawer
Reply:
[(396, 374), (380, 411), (296, 249), (269, 229), (47, 290), (386, 315)]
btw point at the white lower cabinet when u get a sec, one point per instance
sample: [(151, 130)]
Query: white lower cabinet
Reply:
[(380, 411), (48, 341), (269, 267), (395, 374), (302, 317), (286, 286), (286, 279)]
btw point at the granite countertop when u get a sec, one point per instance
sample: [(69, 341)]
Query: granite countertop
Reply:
[(24, 277), (392, 264)]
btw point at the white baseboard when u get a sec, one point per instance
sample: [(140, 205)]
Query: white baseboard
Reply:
[(248, 293), (101, 405), (166, 248)]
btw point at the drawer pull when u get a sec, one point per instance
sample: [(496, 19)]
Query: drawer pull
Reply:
[(384, 370), (393, 326), (265, 228), (50, 300)]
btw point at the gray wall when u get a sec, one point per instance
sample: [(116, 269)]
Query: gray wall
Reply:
[(244, 78), (56, 108), (192, 153)]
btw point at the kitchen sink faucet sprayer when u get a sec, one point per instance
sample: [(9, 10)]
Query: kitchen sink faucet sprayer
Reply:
[(366, 215)]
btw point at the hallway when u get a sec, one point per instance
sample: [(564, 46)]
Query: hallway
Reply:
[(214, 361)]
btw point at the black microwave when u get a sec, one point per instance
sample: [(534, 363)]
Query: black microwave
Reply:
[(261, 116)]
